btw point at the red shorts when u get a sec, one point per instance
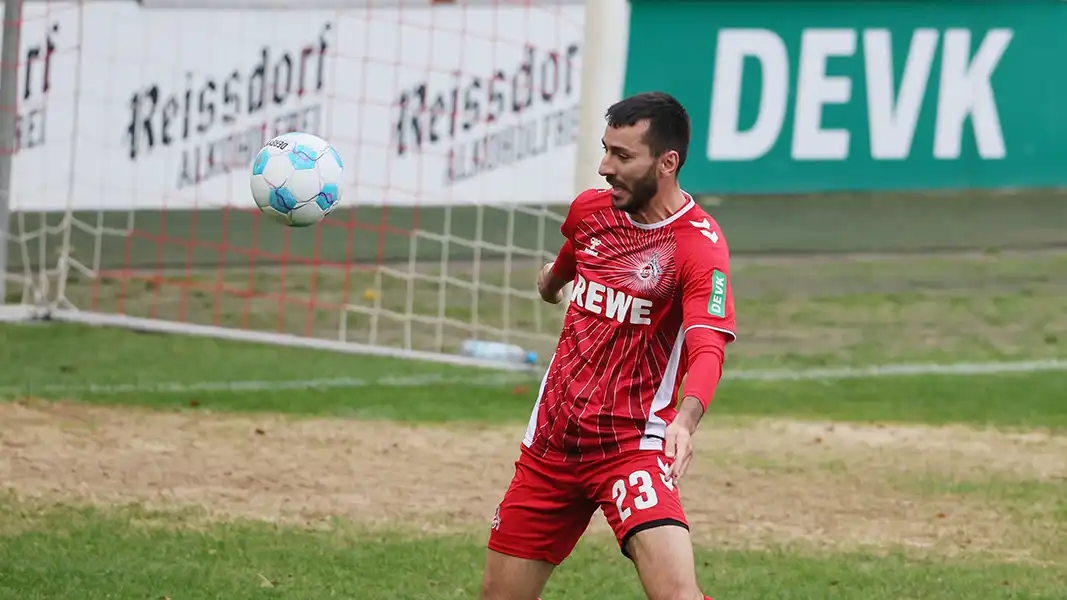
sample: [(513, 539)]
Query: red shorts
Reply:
[(550, 503)]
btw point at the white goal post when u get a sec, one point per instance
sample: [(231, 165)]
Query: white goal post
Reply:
[(466, 127)]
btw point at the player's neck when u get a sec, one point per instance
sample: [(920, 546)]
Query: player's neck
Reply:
[(662, 206)]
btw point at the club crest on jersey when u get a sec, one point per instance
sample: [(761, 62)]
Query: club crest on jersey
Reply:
[(649, 273)]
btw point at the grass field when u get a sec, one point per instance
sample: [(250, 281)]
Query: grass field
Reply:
[(137, 465)]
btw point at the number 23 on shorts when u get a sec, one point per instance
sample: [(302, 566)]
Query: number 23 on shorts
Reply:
[(644, 494)]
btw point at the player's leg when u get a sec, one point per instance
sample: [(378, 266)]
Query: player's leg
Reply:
[(537, 525), (644, 508), (510, 577), (664, 559)]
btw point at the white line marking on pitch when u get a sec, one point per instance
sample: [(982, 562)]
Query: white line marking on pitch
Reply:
[(901, 370)]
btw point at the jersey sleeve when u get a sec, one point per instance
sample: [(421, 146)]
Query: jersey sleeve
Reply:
[(707, 296), (707, 314), (705, 354), (566, 263)]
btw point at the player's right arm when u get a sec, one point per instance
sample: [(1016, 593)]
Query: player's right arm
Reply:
[(558, 273)]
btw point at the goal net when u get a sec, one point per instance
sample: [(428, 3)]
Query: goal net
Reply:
[(137, 123)]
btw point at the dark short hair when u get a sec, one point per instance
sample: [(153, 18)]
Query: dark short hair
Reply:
[(668, 122)]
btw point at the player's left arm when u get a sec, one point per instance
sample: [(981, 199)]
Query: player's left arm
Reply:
[(708, 326)]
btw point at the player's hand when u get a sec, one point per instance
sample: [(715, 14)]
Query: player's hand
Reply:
[(679, 447), (679, 443), (544, 285)]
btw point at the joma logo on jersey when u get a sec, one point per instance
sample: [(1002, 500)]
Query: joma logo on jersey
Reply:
[(599, 299), (717, 303)]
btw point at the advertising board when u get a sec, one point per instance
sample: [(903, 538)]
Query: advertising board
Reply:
[(860, 96), (122, 107)]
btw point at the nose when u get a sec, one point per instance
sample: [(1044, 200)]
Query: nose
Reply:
[(606, 168)]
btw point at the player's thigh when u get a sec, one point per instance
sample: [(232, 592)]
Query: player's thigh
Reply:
[(543, 513), (513, 578), (635, 493), (664, 560)]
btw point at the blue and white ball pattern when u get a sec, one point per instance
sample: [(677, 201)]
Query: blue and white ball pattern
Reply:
[(296, 179)]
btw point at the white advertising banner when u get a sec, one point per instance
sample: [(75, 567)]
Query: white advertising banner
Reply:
[(127, 108)]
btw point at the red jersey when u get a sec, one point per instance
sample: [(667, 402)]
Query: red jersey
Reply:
[(613, 381)]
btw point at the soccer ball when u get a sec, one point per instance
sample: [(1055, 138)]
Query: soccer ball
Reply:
[(296, 179)]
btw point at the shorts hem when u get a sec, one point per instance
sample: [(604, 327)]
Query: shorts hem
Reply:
[(644, 527)]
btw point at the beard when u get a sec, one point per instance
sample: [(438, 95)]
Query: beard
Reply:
[(640, 191)]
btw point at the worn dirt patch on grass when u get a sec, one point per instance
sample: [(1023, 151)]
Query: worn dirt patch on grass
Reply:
[(846, 485), (753, 483)]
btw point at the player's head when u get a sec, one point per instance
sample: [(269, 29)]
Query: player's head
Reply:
[(645, 145)]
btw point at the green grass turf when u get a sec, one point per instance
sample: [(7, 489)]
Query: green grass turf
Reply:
[(130, 552), (134, 553), (37, 356)]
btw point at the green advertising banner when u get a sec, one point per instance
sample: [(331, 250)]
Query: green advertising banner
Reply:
[(789, 97)]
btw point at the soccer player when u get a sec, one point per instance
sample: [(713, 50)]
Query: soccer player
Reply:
[(651, 303)]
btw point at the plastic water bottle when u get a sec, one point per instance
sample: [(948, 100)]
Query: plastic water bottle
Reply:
[(497, 351)]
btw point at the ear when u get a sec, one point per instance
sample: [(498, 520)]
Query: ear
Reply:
[(668, 163)]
